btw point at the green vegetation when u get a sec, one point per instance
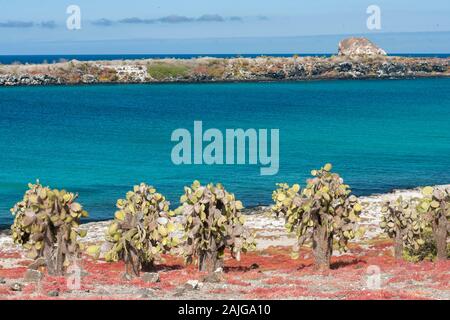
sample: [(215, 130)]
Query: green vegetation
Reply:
[(325, 215), (435, 206), (166, 71), (401, 222), (325, 211), (141, 231), (46, 225), (213, 222)]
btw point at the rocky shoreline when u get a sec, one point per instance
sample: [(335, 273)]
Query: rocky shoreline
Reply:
[(357, 58)]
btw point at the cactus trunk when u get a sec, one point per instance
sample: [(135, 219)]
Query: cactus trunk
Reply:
[(53, 254), (322, 247), (132, 263), (208, 261), (398, 248), (440, 235)]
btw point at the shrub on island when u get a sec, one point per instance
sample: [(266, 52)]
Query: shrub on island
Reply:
[(213, 222), (46, 224), (325, 212)]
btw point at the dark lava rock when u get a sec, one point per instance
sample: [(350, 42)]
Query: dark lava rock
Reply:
[(53, 293), (16, 286)]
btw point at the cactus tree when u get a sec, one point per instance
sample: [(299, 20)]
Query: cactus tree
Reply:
[(401, 222), (46, 224), (142, 230), (322, 212), (213, 222), (435, 205)]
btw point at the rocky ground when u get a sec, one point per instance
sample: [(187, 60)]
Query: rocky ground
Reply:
[(267, 273)]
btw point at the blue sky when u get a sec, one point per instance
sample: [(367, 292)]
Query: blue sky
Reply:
[(211, 26)]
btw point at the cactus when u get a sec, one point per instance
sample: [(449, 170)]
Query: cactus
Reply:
[(401, 222), (213, 222), (435, 205), (46, 225), (322, 212), (142, 230)]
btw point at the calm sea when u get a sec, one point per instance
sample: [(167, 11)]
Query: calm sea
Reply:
[(31, 59), (101, 140)]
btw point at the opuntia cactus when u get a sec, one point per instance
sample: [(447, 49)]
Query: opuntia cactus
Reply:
[(213, 222), (142, 230), (435, 205), (322, 212), (401, 222), (46, 224)]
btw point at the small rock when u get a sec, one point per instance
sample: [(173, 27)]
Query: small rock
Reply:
[(40, 262), (103, 292), (146, 293), (126, 277), (254, 266), (32, 275), (179, 292), (193, 285), (150, 277), (53, 293), (214, 277), (16, 287), (2, 281)]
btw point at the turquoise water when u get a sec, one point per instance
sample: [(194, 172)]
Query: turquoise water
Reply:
[(101, 140)]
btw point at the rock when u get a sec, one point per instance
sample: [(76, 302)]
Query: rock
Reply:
[(53, 293), (33, 275), (193, 285), (40, 262), (146, 293), (16, 286), (150, 277), (126, 276), (2, 281), (179, 292), (213, 277), (254, 266), (88, 78), (345, 66), (359, 47), (439, 68), (103, 292)]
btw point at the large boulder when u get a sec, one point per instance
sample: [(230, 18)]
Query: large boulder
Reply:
[(359, 47)]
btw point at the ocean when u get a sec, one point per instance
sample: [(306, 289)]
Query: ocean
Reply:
[(100, 140), (36, 59)]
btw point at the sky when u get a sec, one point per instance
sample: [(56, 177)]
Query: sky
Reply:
[(212, 26)]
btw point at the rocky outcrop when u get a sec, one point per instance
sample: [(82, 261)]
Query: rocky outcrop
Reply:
[(357, 59), (28, 80), (359, 47)]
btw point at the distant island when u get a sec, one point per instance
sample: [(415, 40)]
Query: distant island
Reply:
[(357, 58)]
